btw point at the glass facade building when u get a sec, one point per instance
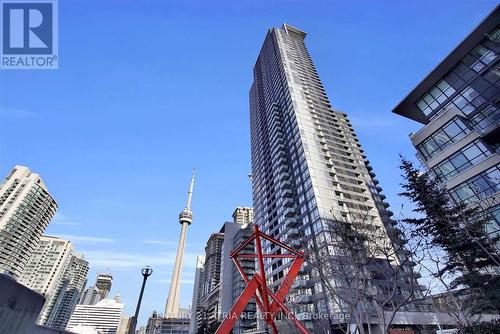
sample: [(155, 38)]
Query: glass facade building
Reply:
[(457, 103), (308, 167)]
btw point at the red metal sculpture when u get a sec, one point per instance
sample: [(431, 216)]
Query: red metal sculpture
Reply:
[(269, 303)]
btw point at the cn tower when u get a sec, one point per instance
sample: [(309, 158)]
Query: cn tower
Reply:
[(185, 219)]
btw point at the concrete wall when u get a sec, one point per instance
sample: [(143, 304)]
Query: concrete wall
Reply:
[(19, 307)]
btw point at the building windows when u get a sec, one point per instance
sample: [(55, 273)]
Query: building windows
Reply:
[(453, 131), (478, 187), (492, 76), (479, 58), (462, 160), (495, 36), (435, 97), (462, 74), (486, 119), (467, 100), (493, 224)]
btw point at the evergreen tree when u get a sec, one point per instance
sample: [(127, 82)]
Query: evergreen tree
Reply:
[(460, 230)]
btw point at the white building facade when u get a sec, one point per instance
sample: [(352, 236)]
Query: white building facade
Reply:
[(45, 272), (26, 208), (102, 318)]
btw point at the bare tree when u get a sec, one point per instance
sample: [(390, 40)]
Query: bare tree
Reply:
[(445, 298), (366, 271)]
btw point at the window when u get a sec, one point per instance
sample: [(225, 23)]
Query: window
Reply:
[(495, 36), (486, 119), (493, 224), (478, 187), (453, 131), (479, 58), (469, 156), (467, 100), (435, 97)]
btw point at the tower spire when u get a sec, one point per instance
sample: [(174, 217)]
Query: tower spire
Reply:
[(185, 219), (190, 192)]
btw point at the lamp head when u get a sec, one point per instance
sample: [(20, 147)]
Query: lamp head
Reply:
[(146, 271)]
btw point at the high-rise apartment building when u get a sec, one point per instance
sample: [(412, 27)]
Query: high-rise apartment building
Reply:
[(76, 279), (46, 271), (99, 291), (243, 215), (210, 278), (104, 317), (308, 168), (26, 208), (231, 282), (215, 274), (103, 284), (248, 318), (211, 268), (458, 105), (90, 296), (196, 307)]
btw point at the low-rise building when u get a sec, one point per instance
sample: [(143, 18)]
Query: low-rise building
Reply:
[(457, 104), (158, 324), (104, 317)]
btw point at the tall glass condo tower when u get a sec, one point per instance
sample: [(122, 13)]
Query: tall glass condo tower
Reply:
[(308, 168)]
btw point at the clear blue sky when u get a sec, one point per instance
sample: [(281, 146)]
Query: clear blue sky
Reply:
[(147, 90)]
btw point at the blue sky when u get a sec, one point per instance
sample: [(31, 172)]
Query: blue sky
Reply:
[(147, 90)]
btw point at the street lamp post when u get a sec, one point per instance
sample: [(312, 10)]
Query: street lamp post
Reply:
[(146, 272)]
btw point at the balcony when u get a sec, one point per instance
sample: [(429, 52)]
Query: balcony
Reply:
[(303, 283), (282, 168), (287, 193), (285, 184), (291, 223), (280, 154), (303, 299), (294, 232), (289, 212), (277, 148), (284, 176), (278, 161)]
